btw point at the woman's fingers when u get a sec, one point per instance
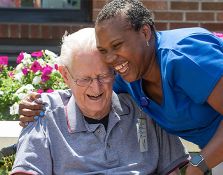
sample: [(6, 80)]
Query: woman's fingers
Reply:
[(30, 108)]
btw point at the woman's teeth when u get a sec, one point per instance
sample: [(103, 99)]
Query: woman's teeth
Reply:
[(122, 68)]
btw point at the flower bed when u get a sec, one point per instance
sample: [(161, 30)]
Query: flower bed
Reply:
[(37, 72)]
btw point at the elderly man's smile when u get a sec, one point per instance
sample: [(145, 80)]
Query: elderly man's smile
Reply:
[(95, 97)]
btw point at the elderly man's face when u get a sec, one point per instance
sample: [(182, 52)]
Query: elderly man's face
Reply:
[(91, 83)]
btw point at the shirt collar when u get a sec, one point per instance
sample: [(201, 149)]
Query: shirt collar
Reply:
[(77, 123)]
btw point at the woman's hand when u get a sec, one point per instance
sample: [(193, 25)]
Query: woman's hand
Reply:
[(29, 108)]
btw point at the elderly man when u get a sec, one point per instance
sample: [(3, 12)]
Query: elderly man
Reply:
[(91, 130)]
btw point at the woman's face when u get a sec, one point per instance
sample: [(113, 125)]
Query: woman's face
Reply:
[(123, 48)]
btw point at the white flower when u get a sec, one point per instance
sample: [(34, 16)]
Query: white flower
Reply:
[(19, 67), (14, 109), (1, 92), (36, 80), (27, 61), (18, 76), (51, 54), (27, 56), (41, 62), (29, 87), (26, 88), (21, 96)]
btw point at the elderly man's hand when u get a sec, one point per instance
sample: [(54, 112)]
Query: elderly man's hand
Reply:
[(30, 107)]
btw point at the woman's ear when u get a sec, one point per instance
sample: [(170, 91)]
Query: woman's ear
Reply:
[(146, 30)]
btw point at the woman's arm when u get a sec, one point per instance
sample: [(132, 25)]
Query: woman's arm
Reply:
[(213, 151)]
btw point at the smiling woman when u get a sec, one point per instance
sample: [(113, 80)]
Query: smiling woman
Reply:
[(175, 76)]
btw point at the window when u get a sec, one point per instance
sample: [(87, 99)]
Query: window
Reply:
[(74, 4), (41, 11)]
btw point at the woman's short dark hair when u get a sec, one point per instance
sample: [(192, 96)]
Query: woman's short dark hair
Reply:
[(137, 14)]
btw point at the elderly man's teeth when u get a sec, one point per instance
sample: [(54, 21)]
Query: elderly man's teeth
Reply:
[(119, 67), (94, 96)]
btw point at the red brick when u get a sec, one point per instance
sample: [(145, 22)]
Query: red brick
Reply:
[(161, 25), (74, 28), (59, 30), (168, 16), (176, 5), (212, 6), (35, 31), (98, 4), (14, 30), (156, 5), (56, 33), (64, 29), (46, 31), (213, 26), (24, 31), (199, 16), (4, 30), (182, 25), (95, 13), (220, 16)]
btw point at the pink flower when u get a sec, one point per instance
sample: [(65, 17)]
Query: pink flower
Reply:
[(49, 90), (36, 66), (40, 91), (20, 58), (220, 35), (11, 74), (4, 60), (45, 78), (56, 66), (47, 70), (38, 54), (25, 71)]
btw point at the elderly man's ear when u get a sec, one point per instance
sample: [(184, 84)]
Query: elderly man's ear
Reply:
[(63, 71)]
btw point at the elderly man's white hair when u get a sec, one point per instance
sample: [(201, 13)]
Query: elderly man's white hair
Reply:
[(80, 41)]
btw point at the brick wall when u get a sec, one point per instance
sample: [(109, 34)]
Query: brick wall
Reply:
[(168, 14), (171, 14), (38, 31)]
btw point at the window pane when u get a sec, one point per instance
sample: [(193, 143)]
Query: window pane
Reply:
[(73, 4), (55, 4)]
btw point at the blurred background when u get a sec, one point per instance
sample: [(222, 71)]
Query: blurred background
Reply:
[(31, 25)]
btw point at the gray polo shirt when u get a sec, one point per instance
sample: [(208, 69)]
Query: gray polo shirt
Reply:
[(64, 143)]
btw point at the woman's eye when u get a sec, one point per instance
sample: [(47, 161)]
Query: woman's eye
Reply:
[(116, 46), (102, 51)]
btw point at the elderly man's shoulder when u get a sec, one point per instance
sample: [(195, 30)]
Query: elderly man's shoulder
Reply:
[(57, 98), (54, 103), (123, 98)]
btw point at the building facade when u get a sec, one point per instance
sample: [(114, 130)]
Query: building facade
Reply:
[(31, 25)]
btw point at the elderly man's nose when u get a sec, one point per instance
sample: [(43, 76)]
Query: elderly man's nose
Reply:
[(95, 82), (95, 86)]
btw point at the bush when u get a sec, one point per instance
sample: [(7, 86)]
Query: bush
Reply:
[(37, 71)]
